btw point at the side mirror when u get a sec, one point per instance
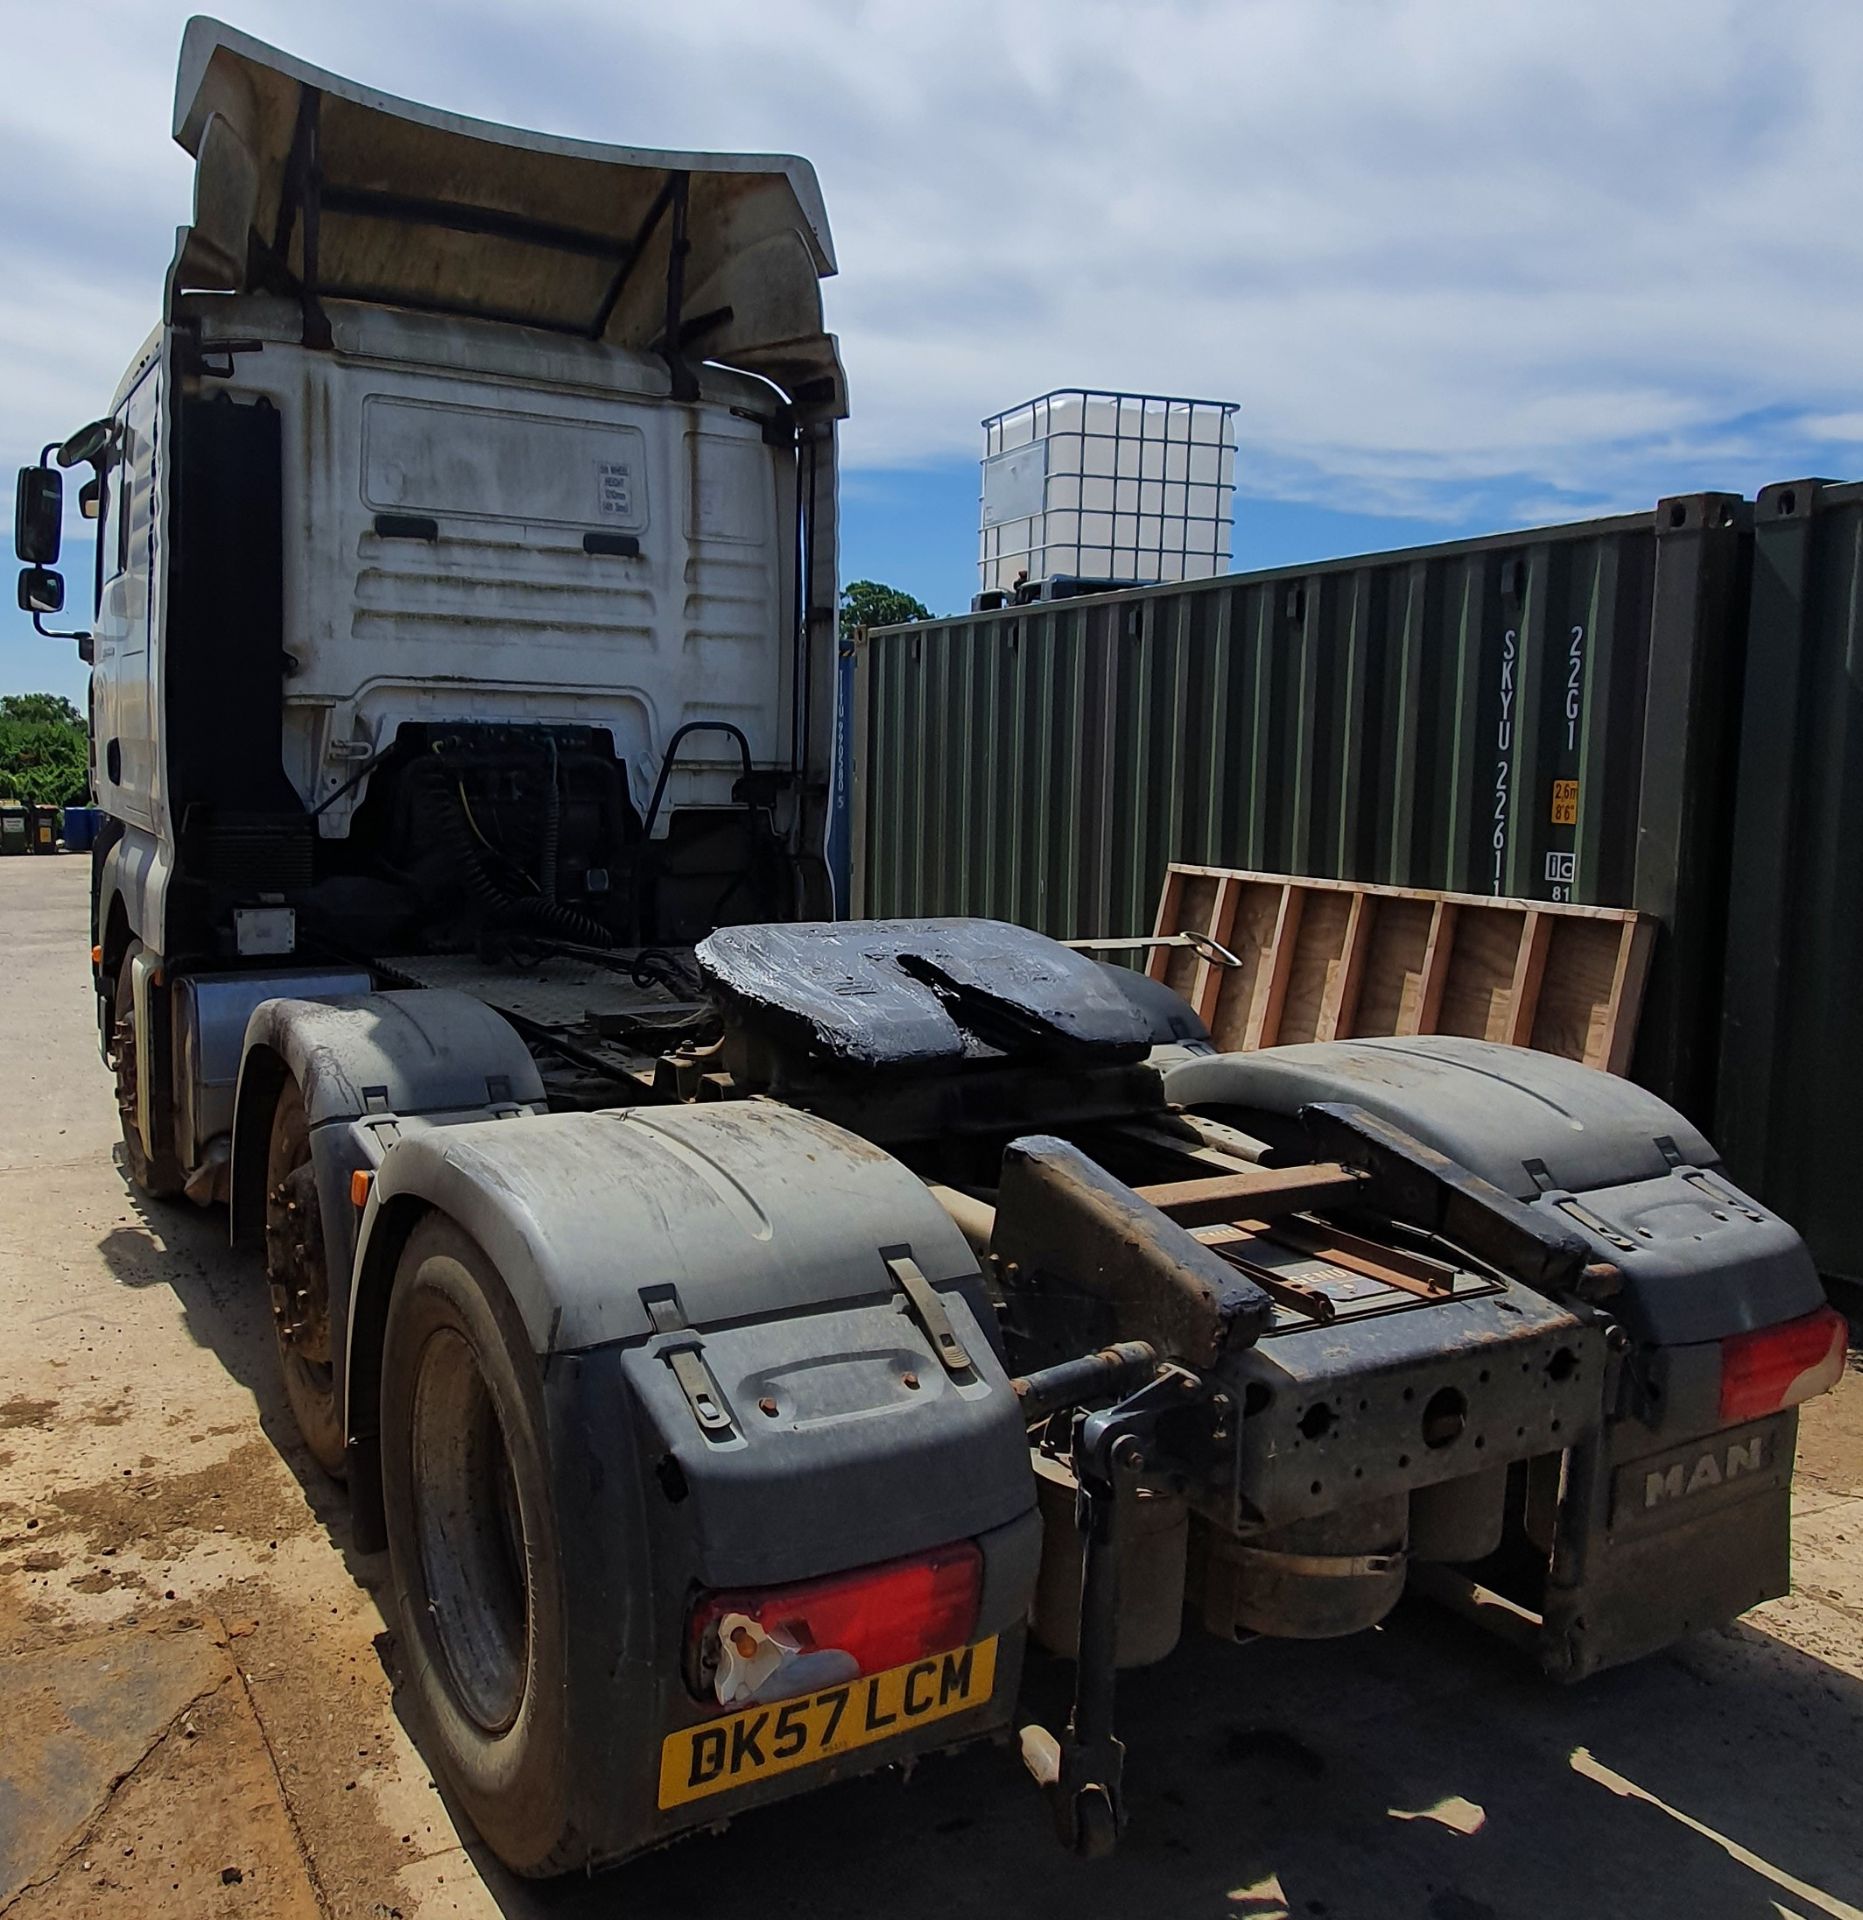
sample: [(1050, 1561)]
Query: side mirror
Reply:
[(90, 499), (38, 517), (41, 591)]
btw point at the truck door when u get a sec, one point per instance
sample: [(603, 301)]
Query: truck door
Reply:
[(124, 742)]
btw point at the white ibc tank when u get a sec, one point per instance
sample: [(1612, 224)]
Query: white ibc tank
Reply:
[(1107, 486)]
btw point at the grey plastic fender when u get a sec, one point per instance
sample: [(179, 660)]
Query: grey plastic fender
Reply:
[(755, 1240), (425, 1051), (738, 1391), (1607, 1158), (743, 1228), (745, 1208), (1490, 1108), (135, 869), (419, 1051)]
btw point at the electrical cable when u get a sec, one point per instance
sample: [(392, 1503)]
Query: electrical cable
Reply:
[(497, 853), (454, 830)]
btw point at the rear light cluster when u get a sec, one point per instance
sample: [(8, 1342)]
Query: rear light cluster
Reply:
[(1778, 1367), (786, 1640)]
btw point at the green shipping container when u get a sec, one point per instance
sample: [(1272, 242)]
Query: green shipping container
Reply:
[(1543, 713), (1789, 1120)]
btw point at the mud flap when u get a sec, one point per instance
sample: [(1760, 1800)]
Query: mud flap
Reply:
[(661, 1499), (1681, 1539)]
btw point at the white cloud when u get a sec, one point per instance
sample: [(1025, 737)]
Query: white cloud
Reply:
[(1436, 247), (1844, 427)]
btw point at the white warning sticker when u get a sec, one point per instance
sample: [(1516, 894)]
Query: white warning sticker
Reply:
[(614, 492)]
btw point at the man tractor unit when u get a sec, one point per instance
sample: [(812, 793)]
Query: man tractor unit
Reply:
[(743, 1329)]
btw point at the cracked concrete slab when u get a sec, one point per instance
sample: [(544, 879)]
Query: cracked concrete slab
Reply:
[(138, 1780), (80, 1718)]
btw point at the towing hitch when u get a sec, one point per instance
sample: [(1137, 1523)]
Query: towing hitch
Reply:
[(1162, 1435)]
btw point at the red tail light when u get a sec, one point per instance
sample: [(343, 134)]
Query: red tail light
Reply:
[(1780, 1366), (873, 1617)]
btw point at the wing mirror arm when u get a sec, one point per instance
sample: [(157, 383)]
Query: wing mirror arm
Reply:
[(81, 635)]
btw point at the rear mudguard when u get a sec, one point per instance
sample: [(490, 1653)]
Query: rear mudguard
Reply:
[(1667, 1522), (1600, 1156), (739, 1393)]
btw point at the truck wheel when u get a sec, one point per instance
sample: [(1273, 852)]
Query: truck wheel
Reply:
[(473, 1547), (158, 1174), (296, 1267)]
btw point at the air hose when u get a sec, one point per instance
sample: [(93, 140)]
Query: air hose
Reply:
[(552, 832), (447, 820)]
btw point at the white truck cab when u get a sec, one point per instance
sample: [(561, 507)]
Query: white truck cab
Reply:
[(466, 462)]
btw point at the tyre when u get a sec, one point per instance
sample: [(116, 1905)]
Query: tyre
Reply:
[(297, 1269), (474, 1548), (158, 1174)]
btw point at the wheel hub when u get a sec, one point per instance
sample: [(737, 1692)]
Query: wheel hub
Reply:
[(123, 1059), (294, 1263)]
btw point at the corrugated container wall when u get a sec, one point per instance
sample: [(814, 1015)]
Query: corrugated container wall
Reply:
[(1790, 1119), (1538, 714)]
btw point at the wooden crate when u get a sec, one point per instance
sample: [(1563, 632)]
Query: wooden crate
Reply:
[(1333, 960)]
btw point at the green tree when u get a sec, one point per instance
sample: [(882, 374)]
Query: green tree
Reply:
[(866, 603), (44, 750), (51, 709)]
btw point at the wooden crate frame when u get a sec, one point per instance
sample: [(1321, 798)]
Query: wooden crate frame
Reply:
[(1336, 960)]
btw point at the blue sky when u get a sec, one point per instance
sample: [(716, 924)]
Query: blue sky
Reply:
[(916, 528), (1463, 263)]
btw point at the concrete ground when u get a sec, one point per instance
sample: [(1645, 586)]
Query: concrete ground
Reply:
[(197, 1691)]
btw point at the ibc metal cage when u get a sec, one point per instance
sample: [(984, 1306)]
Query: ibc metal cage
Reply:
[(1107, 486)]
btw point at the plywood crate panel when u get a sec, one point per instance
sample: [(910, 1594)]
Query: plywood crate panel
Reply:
[(1331, 960)]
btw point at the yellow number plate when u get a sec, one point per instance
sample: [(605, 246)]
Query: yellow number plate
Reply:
[(761, 1742)]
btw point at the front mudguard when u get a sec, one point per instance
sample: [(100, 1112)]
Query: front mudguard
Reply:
[(424, 1051), (426, 1056)]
